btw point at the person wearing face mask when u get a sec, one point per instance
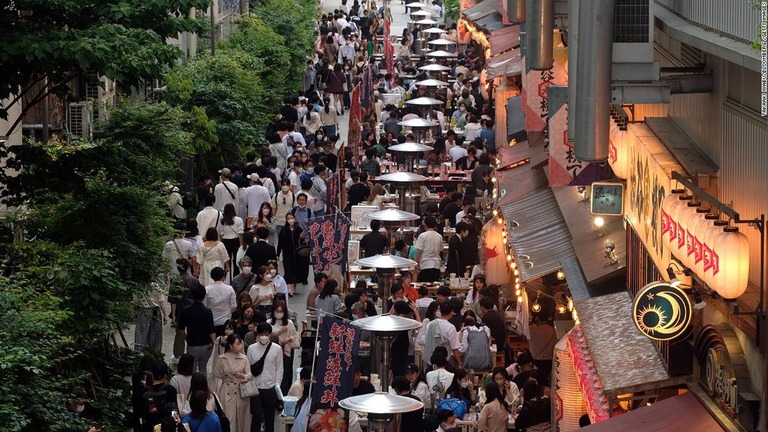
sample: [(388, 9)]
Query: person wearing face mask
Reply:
[(295, 267), (289, 339), (462, 387), (447, 420), (266, 359), (279, 281), (233, 368), (263, 291), (282, 203), (245, 280), (81, 408)]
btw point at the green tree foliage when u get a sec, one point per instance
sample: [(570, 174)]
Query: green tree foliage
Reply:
[(124, 40), (295, 20)]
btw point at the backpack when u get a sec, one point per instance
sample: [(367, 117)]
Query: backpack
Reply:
[(155, 401), (306, 175), (478, 355)]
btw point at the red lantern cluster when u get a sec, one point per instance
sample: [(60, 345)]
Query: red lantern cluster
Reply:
[(587, 376)]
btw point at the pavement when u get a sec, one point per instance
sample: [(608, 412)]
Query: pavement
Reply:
[(297, 303)]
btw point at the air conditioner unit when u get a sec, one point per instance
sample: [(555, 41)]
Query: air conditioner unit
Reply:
[(80, 119)]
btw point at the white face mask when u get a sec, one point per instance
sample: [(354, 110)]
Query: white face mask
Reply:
[(437, 315), (228, 332), (246, 270), (268, 278), (464, 384), (285, 188), (263, 340), (79, 408), (272, 273), (279, 315)]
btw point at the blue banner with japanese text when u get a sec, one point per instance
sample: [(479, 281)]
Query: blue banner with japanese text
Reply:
[(334, 374), (328, 237)]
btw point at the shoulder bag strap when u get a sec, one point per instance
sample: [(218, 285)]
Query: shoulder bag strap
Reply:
[(178, 249), (228, 190), (218, 216)]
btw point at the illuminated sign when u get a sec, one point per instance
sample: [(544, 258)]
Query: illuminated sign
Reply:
[(607, 199), (661, 312)]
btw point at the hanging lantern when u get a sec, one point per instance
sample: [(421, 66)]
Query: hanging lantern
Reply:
[(691, 216), (668, 226), (732, 279), (701, 230), (618, 152), (711, 259), (692, 243), (494, 255), (678, 209)]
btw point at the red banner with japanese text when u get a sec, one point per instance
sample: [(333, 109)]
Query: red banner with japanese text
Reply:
[(355, 122), (328, 237), (335, 373), (389, 50)]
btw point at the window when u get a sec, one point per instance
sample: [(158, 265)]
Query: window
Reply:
[(631, 21)]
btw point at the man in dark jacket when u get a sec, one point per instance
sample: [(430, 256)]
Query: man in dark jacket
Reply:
[(261, 252)]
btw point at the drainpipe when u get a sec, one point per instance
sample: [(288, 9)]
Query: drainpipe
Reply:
[(516, 11), (593, 80), (573, 41), (540, 16)]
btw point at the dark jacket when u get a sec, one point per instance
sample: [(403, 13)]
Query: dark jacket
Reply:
[(260, 253)]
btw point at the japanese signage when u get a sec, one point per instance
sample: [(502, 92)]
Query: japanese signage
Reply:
[(647, 185), (366, 92), (327, 236), (564, 168), (332, 188), (335, 373), (661, 312), (536, 84), (355, 122), (607, 199)]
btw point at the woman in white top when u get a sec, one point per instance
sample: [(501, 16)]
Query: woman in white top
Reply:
[(280, 285), (431, 314), (230, 231), (181, 381), (329, 117), (311, 121), (199, 382), (439, 379), (212, 254), (282, 203), (289, 340), (419, 387), (263, 291)]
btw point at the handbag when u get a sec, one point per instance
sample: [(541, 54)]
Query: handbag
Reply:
[(258, 367), (223, 420), (456, 405), (303, 251), (247, 388)]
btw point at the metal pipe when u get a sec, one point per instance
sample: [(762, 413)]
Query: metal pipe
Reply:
[(573, 40), (516, 11), (540, 16), (593, 80)]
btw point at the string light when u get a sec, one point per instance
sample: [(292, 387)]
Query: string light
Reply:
[(518, 292), (536, 307), (509, 257), (500, 221), (560, 274), (495, 212), (570, 304), (561, 309), (519, 299), (517, 272)]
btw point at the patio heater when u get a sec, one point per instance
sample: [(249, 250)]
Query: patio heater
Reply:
[(381, 407), (385, 264), (419, 126), (444, 44), (433, 32), (403, 181), (393, 219), (385, 329), (436, 71), (425, 105)]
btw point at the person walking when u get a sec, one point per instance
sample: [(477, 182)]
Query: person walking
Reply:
[(266, 359), (212, 254), (221, 299), (225, 192), (196, 322), (230, 231), (232, 369), (295, 267), (429, 245)]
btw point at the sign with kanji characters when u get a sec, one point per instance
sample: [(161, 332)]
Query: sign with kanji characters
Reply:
[(327, 237), (334, 375), (607, 199), (564, 168), (333, 196), (535, 87)]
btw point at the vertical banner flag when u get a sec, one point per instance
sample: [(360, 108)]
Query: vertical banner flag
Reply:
[(334, 374), (332, 188), (366, 93), (328, 237), (564, 168), (355, 121), (389, 50)]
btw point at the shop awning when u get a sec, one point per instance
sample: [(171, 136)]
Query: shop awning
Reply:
[(590, 248), (491, 22), (504, 39), (480, 10), (678, 413), (538, 233), (625, 360), (507, 63)]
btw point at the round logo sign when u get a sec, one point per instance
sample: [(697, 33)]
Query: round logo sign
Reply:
[(661, 312)]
